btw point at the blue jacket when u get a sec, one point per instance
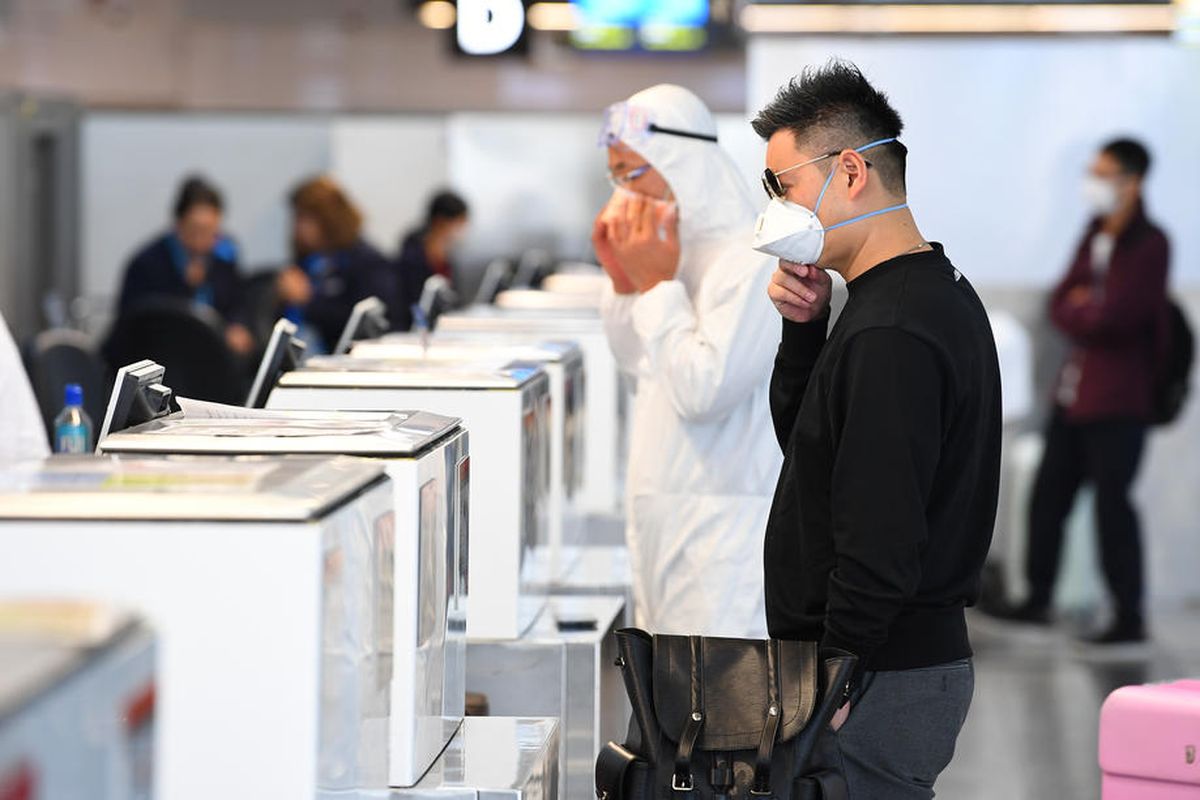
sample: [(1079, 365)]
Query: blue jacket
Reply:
[(157, 270), (340, 279)]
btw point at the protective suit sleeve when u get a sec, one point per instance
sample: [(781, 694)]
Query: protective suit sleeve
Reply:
[(888, 391), (617, 312), (22, 434), (712, 355)]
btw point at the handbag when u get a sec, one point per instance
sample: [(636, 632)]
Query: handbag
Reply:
[(720, 719)]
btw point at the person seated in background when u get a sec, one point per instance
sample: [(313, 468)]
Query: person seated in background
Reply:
[(426, 251), (22, 434), (334, 268), (193, 261)]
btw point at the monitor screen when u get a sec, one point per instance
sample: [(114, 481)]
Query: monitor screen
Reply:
[(368, 320), (284, 353), (138, 396)]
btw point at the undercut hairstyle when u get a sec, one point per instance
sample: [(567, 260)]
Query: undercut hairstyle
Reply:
[(196, 191), (833, 108), (1131, 154)]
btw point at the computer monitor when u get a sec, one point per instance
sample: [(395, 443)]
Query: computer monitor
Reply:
[(284, 353), (497, 277), (138, 396), (368, 320), (436, 295)]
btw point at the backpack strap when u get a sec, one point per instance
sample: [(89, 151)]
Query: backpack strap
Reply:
[(766, 745), (682, 779)]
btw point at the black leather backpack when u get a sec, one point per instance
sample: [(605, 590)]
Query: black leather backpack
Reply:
[(726, 718)]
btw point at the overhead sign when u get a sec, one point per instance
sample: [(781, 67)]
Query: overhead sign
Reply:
[(489, 27)]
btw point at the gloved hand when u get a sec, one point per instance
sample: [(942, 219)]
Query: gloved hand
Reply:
[(602, 244), (646, 241)]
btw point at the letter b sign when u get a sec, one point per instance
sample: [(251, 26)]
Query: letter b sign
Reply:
[(489, 27)]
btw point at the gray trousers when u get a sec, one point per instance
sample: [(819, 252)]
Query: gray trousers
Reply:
[(902, 729)]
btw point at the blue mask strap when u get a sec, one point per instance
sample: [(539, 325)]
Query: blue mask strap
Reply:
[(829, 180), (861, 217)]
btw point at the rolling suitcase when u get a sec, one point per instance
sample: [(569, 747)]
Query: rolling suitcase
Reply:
[(1150, 742)]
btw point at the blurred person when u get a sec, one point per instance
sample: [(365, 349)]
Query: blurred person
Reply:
[(193, 261), (687, 317), (890, 425), (22, 432), (1112, 308), (428, 250), (334, 268)]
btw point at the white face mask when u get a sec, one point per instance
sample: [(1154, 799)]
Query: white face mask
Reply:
[(789, 231), (1101, 195)]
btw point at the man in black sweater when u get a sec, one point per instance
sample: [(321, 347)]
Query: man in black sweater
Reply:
[(890, 427)]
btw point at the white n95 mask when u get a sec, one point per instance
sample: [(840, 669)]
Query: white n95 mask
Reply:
[(1100, 194), (789, 231)]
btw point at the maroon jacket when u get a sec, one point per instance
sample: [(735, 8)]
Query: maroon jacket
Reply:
[(1117, 337)]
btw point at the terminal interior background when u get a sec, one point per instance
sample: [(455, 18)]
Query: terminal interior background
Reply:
[(107, 104)]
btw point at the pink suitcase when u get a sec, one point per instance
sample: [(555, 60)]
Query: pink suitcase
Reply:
[(1150, 742)]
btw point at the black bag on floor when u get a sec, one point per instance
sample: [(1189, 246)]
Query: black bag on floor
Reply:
[(726, 718)]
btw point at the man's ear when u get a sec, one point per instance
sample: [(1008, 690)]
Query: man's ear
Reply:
[(855, 167)]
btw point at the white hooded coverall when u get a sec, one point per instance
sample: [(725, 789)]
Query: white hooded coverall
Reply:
[(703, 461)]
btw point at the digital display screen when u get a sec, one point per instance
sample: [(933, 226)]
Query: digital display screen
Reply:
[(678, 25)]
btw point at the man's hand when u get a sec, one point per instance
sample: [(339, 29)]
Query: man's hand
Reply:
[(1079, 296), (647, 257), (603, 245), (840, 717), (196, 272), (800, 292), (294, 287), (239, 338)]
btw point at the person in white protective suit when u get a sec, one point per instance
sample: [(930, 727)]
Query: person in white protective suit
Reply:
[(22, 434), (688, 318)]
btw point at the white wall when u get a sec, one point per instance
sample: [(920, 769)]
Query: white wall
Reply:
[(389, 165), (132, 165), (1000, 131)]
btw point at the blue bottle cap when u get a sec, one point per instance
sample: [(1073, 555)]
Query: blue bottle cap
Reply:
[(74, 394)]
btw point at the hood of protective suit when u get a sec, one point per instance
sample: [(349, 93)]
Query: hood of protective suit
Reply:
[(713, 198)]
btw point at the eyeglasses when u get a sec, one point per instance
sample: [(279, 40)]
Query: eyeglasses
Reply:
[(633, 124), (775, 190), (621, 181), (770, 179)]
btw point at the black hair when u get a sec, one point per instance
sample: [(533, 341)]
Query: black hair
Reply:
[(196, 191), (445, 205), (1131, 154), (833, 107)]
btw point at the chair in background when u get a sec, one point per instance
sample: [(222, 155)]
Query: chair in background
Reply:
[(188, 340), (60, 356), (260, 303)]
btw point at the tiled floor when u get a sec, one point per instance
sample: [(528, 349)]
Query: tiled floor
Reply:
[(1032, 731)]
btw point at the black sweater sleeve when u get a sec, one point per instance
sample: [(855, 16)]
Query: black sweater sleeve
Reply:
[(799, 348), (886, 401)]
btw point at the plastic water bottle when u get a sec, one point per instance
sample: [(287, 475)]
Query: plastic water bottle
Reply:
[(73, 427)]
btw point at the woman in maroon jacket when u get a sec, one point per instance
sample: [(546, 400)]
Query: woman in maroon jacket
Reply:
[(1112, 308)]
